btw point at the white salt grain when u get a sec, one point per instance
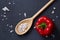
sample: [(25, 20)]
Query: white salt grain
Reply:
[(9, 3), (54, 8), (13, 3), (22, 27), (46, 36), (34, 27), (2, 19), (4, 12), (53, 19), (11, 26), (53, 12), (25, 14), (11, 31), (19, 13), (4, 16), (7, 25), (53, 35), (56, 16), (5, 9)]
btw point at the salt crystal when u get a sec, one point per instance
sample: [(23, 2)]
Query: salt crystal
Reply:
[(8, 29), (53, 19), (54, 8), (25, 14), (9, 3), (11, 31), (34, 27), (19, 13), (46, 36), (13, 3), (11, 26), (2, 19), (4, 15), (53, 12), (22, 27), (4, 12), (53, 35), (56, 16), (7, 25), (5, 9)]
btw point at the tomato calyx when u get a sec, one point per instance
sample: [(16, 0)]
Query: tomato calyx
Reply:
[(42, 25)]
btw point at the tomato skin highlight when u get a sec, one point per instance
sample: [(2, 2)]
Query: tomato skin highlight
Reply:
[(49, 25)]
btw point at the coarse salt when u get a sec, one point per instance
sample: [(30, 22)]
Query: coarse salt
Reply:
[(53, 12), (4, 12), (19, 13), (53, 19), (46, 36), (3, 19), (6, 18), (7, 24), (34, 27), (54, 8), (25, 14), (11, 31), (5, 9), (9, 3), (4, 15), (13, 3), (53, 35), (22, 27), (11, 26), (56, 16)]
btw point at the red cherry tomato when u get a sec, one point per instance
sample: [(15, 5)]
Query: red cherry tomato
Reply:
[(44, 26)]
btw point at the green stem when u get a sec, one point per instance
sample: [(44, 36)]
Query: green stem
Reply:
[(42, 25)]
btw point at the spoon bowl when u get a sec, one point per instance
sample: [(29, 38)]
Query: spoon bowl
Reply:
[(29, 24)]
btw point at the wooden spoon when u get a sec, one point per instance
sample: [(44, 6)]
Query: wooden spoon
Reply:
[(29, 21)]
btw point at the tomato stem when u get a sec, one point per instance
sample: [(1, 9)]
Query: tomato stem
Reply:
[(42, 25)]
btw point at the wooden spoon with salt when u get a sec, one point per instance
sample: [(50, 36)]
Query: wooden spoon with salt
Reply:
[(29, 21)]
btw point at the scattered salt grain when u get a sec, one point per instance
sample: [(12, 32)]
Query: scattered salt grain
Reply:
[(34, 27), (19, 13), (22, 27), (11, 31), (56, 16), (53, 19), (2, 19), (53, 12), (4, 12), (4, 16), (7, 25), (53, 35), (11, 26), (25, 14), (9, 3), (13, 3), (46, 36), (5, 9), (54, 8)]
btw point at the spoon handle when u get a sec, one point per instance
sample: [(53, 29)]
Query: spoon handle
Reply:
[(43, 8)]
